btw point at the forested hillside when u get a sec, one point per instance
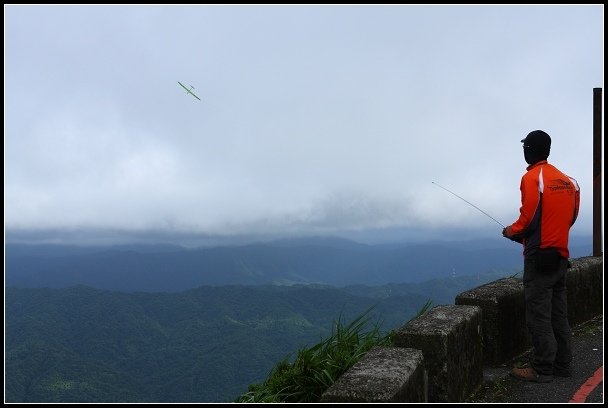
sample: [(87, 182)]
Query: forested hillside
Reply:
[(143, 328), (207, 344)]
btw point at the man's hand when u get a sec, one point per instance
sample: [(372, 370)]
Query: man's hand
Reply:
[(507, 232)]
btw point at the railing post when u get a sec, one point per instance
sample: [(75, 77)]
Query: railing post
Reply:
[(597, 172)]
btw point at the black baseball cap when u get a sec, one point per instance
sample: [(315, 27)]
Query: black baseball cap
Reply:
[(537, 140)]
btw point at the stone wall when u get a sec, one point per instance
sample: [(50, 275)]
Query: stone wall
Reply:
[(449, 337), (504, 327), (384, 374), (485, 326), (505, 334), (585, 283)]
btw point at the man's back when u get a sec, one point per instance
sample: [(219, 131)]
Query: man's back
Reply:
[(550, 202)]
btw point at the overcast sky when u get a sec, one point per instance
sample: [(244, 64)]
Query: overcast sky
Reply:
[(313, 119)]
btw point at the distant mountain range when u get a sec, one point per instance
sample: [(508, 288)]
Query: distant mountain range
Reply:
[(330, 261)]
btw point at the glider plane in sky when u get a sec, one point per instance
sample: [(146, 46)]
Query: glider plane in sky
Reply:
[(189, 90)]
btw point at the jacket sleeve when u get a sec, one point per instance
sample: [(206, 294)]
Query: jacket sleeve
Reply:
[(577, 201), (530, 201)]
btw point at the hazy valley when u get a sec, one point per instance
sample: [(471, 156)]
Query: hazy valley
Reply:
[(169, 324)]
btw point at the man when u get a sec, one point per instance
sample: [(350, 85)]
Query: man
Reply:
[(549, 207)]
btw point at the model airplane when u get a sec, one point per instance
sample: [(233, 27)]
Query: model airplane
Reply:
[(189, 90)]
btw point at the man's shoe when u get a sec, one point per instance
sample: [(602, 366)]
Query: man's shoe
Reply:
[(530, 374)]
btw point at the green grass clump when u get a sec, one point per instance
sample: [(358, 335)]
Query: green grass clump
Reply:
[(316, 368)]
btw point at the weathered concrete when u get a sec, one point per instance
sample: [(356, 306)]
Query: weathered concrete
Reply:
[(504, 323), (384, 374), (585, 284), (450, 339), (505, 334)]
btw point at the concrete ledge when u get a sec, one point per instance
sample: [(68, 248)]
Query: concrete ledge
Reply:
[(450, 339), (446, 342), (384, 374), (585, 284), (504, 322), (505, 334)]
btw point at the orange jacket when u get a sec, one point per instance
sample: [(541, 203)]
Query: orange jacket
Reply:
[(549, 207)]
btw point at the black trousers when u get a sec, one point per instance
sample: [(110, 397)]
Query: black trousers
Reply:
[(547, 316)]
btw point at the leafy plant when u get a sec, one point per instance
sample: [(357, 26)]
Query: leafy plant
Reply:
[(316, 368)]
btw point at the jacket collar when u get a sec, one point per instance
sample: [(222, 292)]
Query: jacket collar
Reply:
[(538, 163)]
